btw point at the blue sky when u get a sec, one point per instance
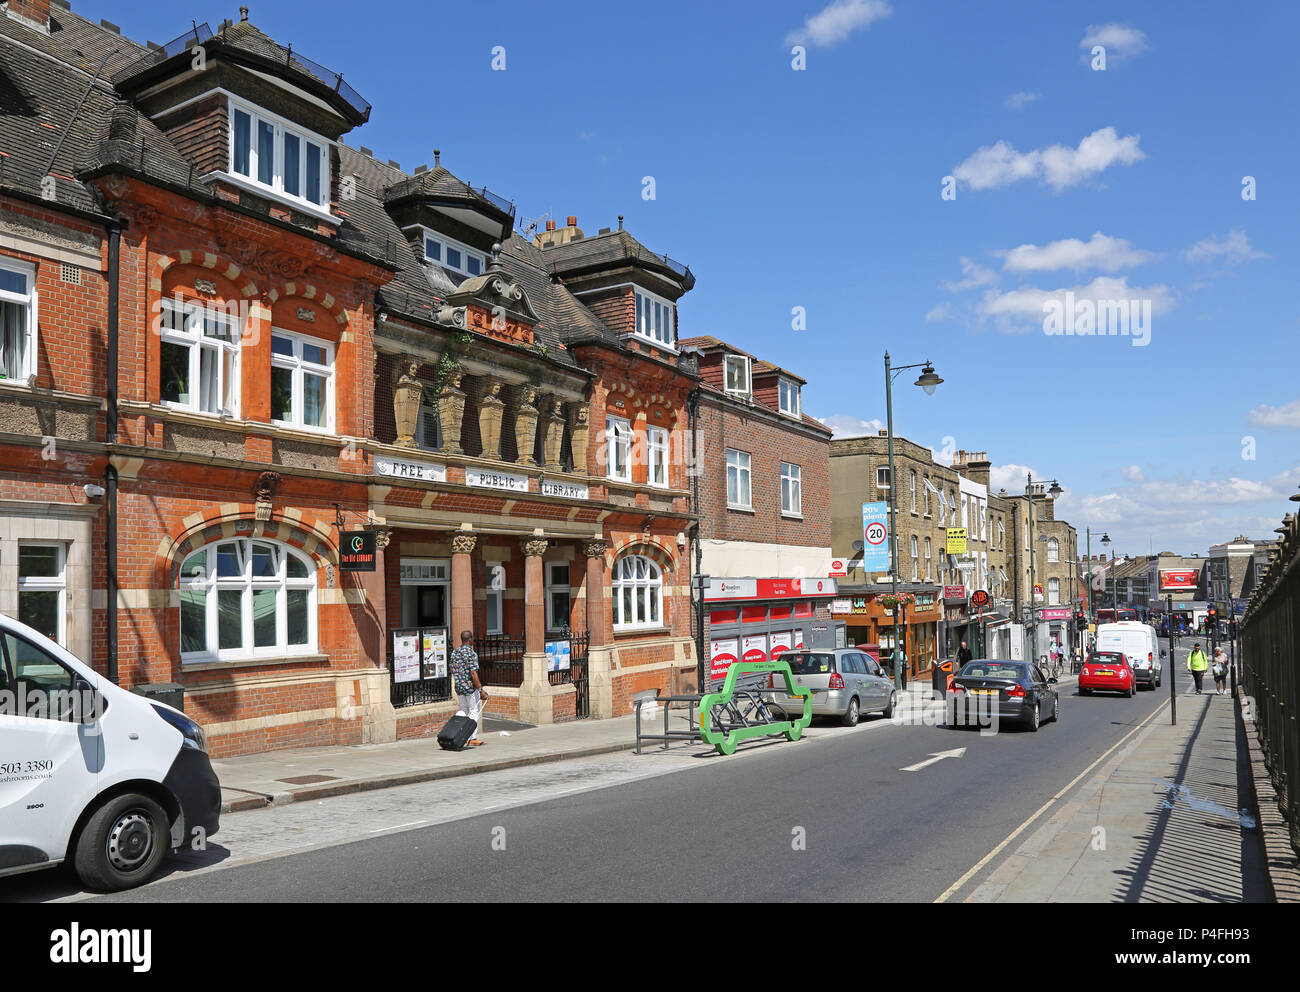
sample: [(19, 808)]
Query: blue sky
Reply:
[(821, 189)]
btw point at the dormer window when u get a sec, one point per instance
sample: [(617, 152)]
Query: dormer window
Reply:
[(737, 375), (789, 398), (452, 254), (280, 157), (654, 318)]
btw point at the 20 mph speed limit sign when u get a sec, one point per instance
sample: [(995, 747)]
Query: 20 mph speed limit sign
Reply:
[(875, 537)]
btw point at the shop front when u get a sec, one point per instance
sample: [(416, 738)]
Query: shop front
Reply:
[(869, 622), (760, 619)]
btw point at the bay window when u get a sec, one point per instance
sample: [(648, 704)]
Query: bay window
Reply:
[(199, 357), (18, 305), (247, 599), (637, 592), (272, 153), (302, 379)]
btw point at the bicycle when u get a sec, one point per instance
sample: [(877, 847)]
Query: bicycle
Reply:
[(747, 708)]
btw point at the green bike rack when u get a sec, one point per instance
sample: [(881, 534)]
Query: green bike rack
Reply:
[(726, 743)]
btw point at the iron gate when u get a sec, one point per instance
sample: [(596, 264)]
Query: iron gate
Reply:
[(578, 674)]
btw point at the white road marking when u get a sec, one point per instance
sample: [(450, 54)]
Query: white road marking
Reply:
[(937, 756), (399, 826)]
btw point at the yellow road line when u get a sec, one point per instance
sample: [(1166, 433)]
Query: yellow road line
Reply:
[(983, 862)]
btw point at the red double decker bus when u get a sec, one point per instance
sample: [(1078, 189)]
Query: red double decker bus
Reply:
[(1108, 616)]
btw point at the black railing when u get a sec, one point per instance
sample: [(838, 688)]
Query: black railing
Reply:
[(415, 185), (500, 660), (431, 689), (197, 35), (1270, 667), (577, 670)]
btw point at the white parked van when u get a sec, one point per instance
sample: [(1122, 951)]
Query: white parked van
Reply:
[(92, 773), (1137, 641)]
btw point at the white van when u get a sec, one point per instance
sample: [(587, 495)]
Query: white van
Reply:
[(92, 773), (1137, 641)]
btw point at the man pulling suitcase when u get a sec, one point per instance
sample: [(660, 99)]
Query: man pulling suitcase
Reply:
[(471, 696)]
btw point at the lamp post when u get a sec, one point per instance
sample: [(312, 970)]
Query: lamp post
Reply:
[(1114, 578), (1054, 491), (928, 381)]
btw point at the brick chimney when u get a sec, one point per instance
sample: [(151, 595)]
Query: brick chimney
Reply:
[(978, 467), (33, 13), (551, 236)]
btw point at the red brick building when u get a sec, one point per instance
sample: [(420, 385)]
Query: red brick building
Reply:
[(235, 350), (763, 478)]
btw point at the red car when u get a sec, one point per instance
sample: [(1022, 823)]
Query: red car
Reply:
[(1106, 671)]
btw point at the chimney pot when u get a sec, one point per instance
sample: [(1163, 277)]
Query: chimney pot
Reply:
[(620, 222), (550, 225), (437, 157), (573, 220), (243, 13)]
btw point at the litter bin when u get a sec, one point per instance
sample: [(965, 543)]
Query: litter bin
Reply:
[(940, 675), (171, 693)]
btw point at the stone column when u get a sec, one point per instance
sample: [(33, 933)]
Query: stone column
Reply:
[(599, 654), (451, 411), (525, 424), (491, 411), (368, 697), (406, 402), (553, 439), (535, 692), (462, 584), (579, 428)]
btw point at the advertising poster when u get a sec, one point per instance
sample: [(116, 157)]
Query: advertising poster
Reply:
[(755, 648), (557, 656), (722, 655), (798, 640), (406, 658), (782, 641), (955, 540), (433, 654)]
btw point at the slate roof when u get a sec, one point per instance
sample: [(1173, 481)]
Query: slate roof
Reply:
[(612, 247), (706, 342)]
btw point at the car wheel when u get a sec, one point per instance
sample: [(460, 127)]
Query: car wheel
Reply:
[(122, 844), (889, 708), (850, 718), (1056, 709), (1083, 691), (1035, 718)]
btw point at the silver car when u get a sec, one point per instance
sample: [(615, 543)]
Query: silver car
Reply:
[(845, 683)]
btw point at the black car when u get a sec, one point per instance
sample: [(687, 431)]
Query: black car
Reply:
[(1013, 690)]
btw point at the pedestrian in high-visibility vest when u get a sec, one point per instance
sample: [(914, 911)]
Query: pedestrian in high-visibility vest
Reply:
[(1197, 663)]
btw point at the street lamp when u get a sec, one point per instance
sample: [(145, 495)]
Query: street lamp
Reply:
[(1114, 578), (1054, 491), (928, 380)]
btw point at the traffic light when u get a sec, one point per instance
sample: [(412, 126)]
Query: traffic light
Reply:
[(1211, 620), (1081, 621)]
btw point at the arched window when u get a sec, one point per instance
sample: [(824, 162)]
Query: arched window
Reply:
[(638, 590), (1053, 549), (247, 599)]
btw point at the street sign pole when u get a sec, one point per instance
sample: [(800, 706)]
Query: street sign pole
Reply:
[(1173, 668)]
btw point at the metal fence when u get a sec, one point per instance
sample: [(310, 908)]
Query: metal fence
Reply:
[(422, 690), (500, 660), (1270, 660)]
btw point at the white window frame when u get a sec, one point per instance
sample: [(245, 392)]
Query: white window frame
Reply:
[(300, 367), (280, 126), (48, 583), (1053, 550), (656, 442), (624, 576), (791, 490), (928, 550), (726, 375), (618, 441), (943, 509), (916, 559), (788, 387), (247, 584), (882, 469), (912, 483), (30, 301), (495, 570), (192, 316), (657, 325), (741, 465), (443, 242), (551, 586), (1054, 592)]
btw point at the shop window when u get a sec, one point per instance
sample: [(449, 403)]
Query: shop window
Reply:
[(18, 321), (199, 357), (557, 595), (780, 612), (637, 589), (42, 588), (247, 599), (302, 380), (804, 609), (724, 616), (753, 614)]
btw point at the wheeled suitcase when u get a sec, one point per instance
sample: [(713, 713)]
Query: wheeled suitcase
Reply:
[(456, 732)]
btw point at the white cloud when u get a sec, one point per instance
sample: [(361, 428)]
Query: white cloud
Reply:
[(837, 20), (975, 275), (845, 425), (1133, 473), (1232, 250), (1022, 309), (1099, 252), (1119, 40), (1059, 166), (1275, 416), (1012, 478), (1017, 100), (942, 311)]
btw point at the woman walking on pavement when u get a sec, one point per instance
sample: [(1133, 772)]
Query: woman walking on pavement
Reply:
[(1197, 664), (1220, 669)]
